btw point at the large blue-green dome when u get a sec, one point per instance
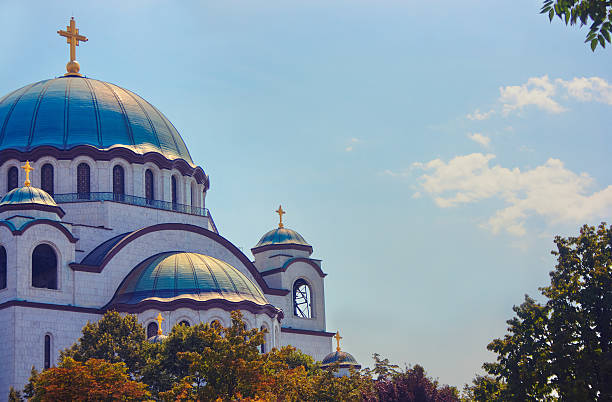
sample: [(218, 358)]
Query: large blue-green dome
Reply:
[(172, 276), (69, 111)]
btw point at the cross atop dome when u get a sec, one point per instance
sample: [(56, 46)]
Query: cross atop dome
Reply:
[(72, 38), (338, 337), (27, 169), (159, 320), (280, 213)]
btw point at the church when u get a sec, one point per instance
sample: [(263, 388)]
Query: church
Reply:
[(103, 208)]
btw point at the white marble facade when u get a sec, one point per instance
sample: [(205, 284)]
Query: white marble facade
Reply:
[(29, 313)]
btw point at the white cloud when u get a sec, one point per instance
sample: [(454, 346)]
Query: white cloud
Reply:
[(478, 115), (480, 139), (592, 89), (352, 142), (538, 91), (545, 93), (549, 191)]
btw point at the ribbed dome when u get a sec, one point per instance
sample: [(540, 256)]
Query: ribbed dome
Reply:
[(178, 275), (28, 195), (69, 111), (342, 358), (281, 236)]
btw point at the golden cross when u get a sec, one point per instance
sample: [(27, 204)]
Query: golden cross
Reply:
[(280, 213), (72, 38), (27, 169), (159, 320), (338, 337)]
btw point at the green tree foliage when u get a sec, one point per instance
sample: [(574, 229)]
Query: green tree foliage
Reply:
[(14, 396), (484, 389), (563, 348), (114, 338), (595, 13)]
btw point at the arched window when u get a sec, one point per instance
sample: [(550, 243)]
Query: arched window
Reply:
[(185, 323), (12, 179), (193, 196), (151, 329), (118, 182), (174, 193), (262, 347), (47, 351), (46, 178), (83, 181), (301, 299), (44, 267), (149, 186), (2, 267)]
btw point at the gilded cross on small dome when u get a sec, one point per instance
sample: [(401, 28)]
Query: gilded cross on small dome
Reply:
[(27, 169), (72, 38), (159, 320), (280, 213), (338, 337)]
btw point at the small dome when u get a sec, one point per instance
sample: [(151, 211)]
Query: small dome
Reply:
[(282, 236), (342, 358), (157, 338), (28, 195), (67, 112), (171, 276)]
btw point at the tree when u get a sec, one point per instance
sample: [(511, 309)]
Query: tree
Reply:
[(411, 384), (113, 338), (227, 362), (93, 380), (485, 389), (563, 347), (597, 13)]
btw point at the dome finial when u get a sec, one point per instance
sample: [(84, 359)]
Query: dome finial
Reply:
[(27, 169), (338, 337), (280, 213), (159, 320), (72, 38)]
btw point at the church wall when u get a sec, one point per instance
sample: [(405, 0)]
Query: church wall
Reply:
[(10, 244), (64, 250), (295, 271), (7, 350), (271, 259), (101, 180), (30, 327), (316, 346), (135, 252)]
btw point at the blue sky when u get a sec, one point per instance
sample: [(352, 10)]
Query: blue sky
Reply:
[(429, 151)]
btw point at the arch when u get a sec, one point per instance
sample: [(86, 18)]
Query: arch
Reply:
[(192, 229), (83, 180), (47, 363), (149, 185), (118, 182), (3, 268), (46, 178), (174, 192), (302, 299), (151, 329), (44, 267), (263, 347), (185, 323), (12, 178), (96, 154)]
